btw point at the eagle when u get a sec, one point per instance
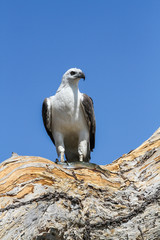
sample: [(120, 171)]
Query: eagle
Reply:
[(69, 119)]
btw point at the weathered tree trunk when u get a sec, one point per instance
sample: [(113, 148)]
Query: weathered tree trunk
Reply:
[(41, 200)]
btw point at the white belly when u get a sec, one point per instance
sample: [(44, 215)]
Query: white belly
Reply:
[(67, 114)]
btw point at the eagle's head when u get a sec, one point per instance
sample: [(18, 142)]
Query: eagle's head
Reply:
[(73, 75)]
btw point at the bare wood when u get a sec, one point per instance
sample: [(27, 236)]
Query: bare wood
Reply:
[(41, 200)]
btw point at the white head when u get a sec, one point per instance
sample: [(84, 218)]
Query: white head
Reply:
[(73, 75)]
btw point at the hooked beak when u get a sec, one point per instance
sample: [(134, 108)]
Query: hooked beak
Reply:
[(81, 75)]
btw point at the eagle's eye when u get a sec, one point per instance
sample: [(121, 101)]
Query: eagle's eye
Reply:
[(72, 73)]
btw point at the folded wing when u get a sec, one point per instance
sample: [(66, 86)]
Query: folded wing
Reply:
[(47, 117), (88, 109)]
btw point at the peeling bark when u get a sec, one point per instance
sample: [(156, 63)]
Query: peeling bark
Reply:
[(40, 199)]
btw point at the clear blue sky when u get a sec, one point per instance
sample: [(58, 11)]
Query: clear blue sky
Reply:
[(116, 44)]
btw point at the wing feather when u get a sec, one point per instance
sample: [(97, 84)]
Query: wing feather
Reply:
[(88, 109), (47, 117)]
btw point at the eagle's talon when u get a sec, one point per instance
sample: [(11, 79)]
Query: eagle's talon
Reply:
[(56, 161)]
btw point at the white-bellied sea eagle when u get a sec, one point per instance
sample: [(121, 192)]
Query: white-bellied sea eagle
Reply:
[(69, 119)]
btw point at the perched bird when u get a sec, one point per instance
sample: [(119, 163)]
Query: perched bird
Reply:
[(69, 119)]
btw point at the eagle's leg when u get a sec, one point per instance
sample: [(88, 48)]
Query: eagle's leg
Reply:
[(60, 146), (81, 157), (83, 146), (62, 156), (60, 152)]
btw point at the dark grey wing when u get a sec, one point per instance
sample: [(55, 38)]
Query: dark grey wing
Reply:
[(47, 117), (87, 106)]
